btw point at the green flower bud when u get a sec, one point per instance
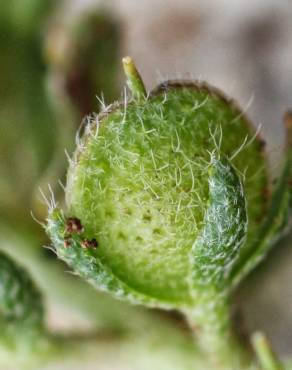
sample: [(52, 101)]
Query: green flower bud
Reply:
[(168, 190), (167, 197)]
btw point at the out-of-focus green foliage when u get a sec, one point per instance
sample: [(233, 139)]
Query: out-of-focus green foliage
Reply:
[(27, 123), (24, 18), (82, 55), (34, 131)]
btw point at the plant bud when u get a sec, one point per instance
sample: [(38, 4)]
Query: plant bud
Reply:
[(170, 189)]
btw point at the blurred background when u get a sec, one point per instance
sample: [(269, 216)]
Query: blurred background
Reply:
[(61, 60)]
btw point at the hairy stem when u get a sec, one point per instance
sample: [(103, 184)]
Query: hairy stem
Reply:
[(213, 330)]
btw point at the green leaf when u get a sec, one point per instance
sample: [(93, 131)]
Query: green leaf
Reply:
[(224, 228)]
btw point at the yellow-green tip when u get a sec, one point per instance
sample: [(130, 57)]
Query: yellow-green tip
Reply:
[(135, 81)]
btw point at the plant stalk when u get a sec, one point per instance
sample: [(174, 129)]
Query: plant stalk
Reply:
[(213, 330)]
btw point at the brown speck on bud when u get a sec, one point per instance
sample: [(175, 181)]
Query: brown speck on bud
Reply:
[(89, 243), (67, 242), (73, 225)]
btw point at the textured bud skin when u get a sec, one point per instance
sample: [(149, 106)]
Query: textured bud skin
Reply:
[(141, 183)]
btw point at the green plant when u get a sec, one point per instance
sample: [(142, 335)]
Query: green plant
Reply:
[(169, 205), (163, 170)]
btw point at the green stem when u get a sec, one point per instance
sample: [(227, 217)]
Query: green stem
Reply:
[(266, 356), (135, 81), (213, 330)]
